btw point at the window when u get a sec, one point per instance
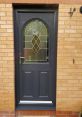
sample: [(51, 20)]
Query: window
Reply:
[(35, 41)]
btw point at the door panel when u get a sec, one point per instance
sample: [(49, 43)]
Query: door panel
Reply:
[(44, 84), (36, 58), (27, 85)]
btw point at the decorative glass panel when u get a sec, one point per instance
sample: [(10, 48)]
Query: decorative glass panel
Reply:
[(35, 42)]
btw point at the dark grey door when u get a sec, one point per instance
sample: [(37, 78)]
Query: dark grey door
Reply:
[(35, 54)]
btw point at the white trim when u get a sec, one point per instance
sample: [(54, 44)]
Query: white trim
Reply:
[(35, 102)]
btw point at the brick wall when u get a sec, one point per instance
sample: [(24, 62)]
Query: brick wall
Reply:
[(69, 65), (7, 102), (69, 59)]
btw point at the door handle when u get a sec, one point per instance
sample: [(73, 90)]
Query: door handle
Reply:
[(21, 57), (28, 72)]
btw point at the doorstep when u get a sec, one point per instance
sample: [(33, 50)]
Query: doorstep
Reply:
[(48, 113), (41, 113)]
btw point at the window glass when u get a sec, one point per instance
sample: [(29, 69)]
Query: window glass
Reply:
[(35, 42)]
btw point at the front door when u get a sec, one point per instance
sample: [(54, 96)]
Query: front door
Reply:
[(35, 56)]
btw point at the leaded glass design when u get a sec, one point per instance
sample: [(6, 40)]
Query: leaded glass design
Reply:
[(35, 41)]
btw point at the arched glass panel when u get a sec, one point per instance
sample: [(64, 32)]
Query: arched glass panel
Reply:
[(35, 41)]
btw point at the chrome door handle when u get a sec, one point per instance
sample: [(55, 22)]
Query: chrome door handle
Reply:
[(21, 57)]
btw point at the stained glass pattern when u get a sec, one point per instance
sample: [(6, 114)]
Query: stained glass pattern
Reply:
[(35, 41)]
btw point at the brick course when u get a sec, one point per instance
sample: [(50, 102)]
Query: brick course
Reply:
[(42, 1), (7, 100), (69, 65), (69, 59)]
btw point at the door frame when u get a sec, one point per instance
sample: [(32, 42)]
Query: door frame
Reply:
[(33, 8)]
